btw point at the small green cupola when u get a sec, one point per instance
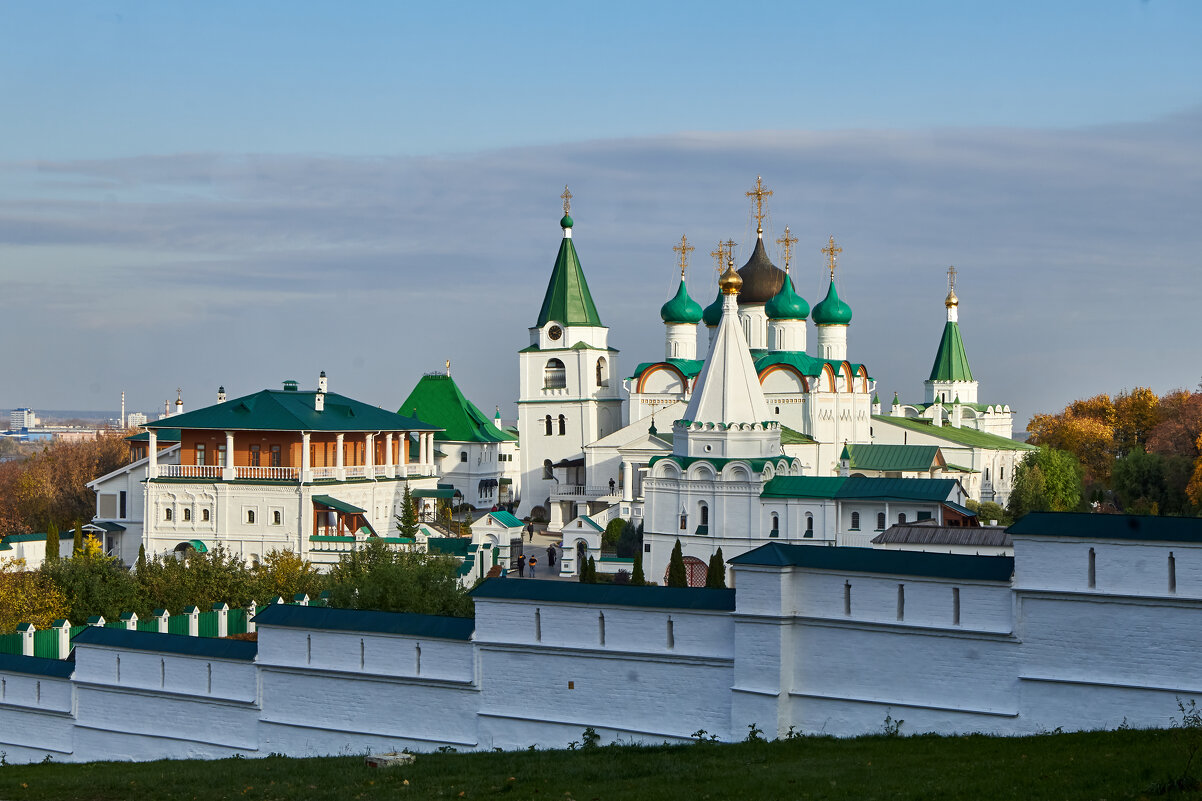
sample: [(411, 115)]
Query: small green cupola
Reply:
[(831, 310), (681, 308), (787, 304), (713, 312)]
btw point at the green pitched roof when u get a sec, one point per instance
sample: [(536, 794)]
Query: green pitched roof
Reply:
[(288, 410), (891, 457), (335, 619), (831, 310), (341, 506), (506, 519), (568, 300), (951, 362), (681, 308), (960, 436), (934, 490), (1109, 527), (882, 560), (790, 437), (438, 400), (162, 435)]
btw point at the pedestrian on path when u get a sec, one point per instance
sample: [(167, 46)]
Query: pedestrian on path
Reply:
[(532, 563), (522, 566), (551, 556)]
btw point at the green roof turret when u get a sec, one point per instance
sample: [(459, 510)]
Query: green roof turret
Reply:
[(681, 308), (831, 310), (566, 221), (713, 312), (787, 304)]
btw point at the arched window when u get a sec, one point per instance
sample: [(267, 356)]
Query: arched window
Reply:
[(204, 515), (675, 350), (463, 456), (563, 425), (602, 372), (880, 521), (548, 423), (250, 516), (809, 525), (277, 517), (901, 518), (187, 515), (775, 526), (705, 513), (167, 515), (684, 520), (855, 521), (548, 471), (554, 375)]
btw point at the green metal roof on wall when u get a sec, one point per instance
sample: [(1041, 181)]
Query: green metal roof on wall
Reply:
[(881, 561), (717, 462), (967, 437), (506, 519), (291, 410), (801, 361), (442, 492), (933, 490), (213, 647), (904, 458), (831, 310), (334, 619), (568, 300), (681, 308), (438, 400), (689, 368), (606, 594), (951, 361), (37, 665), (1109, 527)]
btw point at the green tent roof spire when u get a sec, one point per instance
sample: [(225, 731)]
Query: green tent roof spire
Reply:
[(951, 361), (568, 300)]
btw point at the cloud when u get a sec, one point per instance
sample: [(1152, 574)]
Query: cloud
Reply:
[(1077, 251)]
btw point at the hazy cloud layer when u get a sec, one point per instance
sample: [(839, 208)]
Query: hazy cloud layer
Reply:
[(1077, 250)]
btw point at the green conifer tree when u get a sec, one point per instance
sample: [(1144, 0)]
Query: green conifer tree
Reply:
[(592, 570), (77, 548), (677, 575), (407, 519), (636, 577), (52, 542), (141, 566), (715, 576)]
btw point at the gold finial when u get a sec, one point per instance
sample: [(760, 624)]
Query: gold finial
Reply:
[(787, 242), (952, 300), (730, 282), (832, 252), (759, 193), (684, 249), (448, 366), (179, 395), (567, 199)]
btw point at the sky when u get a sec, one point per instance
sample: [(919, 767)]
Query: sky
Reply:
[(194, 195)]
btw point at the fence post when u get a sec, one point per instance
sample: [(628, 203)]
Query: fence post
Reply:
[(96, 620), (131, 620), (251, 609), (279, 599), (26, 630), (223, 618), (301, 599), (63, 627), (193, 614), (161, 616)]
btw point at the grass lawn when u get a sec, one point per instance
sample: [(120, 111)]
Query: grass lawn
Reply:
[(1094, 765)]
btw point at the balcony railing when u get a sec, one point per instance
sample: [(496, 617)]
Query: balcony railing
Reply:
[(189, 471), (581, 491), (324, 473), (356, 470), (268, 473)]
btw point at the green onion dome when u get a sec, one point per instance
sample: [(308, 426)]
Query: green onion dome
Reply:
[(681, 309), (567, 221), (831, 310), (787, 304), (713, 312)]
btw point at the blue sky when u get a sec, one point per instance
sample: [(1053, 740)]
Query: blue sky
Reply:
[(178, 181)]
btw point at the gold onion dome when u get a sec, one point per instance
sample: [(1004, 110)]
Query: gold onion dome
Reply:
[(952, 300), (730, 282)]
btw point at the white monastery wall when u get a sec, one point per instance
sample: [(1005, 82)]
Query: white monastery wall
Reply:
[(35, 717)]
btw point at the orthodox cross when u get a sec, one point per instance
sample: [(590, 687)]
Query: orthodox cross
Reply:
[(951, 279), (787, 243), (179, 394), (759, 193), (832, 252), (729, 245), (684, 249), (718, 254), (567, 199)]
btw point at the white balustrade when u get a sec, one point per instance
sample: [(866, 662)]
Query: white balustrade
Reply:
[(324, 473), (268, 473), (355, 470), (189, 471)]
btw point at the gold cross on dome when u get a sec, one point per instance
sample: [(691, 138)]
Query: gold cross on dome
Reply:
[(730, 245), (684, 249), (718, 254), (567, 199), (759, 193), (951, 278), (787, 243), (832, 252)]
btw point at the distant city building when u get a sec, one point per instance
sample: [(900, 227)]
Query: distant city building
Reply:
[(135, 420), (22, 418)]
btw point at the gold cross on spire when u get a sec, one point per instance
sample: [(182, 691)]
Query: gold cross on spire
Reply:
[(787, 243), (759, 193), (567, 200), (951, 279), (832, 252), (684, 249)]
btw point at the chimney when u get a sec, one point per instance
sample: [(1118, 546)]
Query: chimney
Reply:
[(322, 383), (319, 401), (221, 394)]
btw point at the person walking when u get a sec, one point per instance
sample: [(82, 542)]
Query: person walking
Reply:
[(533, 561), (522, 566), (551, 556)]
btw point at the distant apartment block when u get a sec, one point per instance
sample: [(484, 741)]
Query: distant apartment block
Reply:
[(22, 418)]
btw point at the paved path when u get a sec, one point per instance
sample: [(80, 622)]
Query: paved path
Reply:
[(538, 549)]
